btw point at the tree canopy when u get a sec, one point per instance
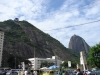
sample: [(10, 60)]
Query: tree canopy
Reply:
[(94, 56), (65, 64)]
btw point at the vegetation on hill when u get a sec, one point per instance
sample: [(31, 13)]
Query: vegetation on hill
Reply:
[(24, 41)]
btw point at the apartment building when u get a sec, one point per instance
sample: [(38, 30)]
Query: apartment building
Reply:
[(36, 62), (1, 45)]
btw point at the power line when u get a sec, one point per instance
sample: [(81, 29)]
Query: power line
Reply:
[(73, 25)]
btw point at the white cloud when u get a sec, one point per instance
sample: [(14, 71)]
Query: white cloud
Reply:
[(71, 12)]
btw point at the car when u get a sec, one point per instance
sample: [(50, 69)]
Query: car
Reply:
[(2, 72), (86, 72), (9, 72), (93, 73), (16, 71)]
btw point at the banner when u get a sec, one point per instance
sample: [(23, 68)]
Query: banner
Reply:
[(69, 63)]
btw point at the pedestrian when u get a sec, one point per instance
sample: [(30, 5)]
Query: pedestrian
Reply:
[(66, 73), (79, 72), (84, 73), (25, 72), (60, 72), (75, 71), (35, 72), (22, 72)]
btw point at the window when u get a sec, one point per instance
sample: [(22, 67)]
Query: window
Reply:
[(1, 35), (32, 61)]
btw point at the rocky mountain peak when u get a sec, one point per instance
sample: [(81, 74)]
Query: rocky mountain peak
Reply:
[(78, 44)]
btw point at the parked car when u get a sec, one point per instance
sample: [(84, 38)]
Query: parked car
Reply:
[(2, 72), (9, 72), (16, 70), (93, 73)]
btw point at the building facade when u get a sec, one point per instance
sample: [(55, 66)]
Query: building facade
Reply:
[(1, 45), (36, 62)]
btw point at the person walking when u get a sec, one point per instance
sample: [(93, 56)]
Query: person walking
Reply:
[(79, 72), (66, 73), (75, 71), (25, 72), (35, 73), (60, 72)]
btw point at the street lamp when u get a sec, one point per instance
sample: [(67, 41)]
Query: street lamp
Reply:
[(55, 60), (15, 62)]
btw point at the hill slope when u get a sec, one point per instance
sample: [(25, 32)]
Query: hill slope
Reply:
[(24, 40)]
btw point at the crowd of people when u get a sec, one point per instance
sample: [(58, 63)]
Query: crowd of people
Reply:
[(60, 72), (25, 72), (79, 72)]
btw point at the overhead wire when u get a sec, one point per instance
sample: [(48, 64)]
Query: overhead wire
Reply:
[(73, 25)]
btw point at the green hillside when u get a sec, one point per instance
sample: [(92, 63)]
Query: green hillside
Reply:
[(22, 39)]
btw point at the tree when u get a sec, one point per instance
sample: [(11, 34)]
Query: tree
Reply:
[(94, 56), (28, 64), (11, 62), (73, 64), (65, 64), (14, 61)]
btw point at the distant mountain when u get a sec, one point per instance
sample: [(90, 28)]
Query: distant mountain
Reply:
[(24, 40), (78, 44)]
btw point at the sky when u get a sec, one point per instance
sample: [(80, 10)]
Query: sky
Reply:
[(55, 16)]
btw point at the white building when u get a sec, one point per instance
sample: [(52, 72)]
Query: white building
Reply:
[(1, 45), (36, 62)]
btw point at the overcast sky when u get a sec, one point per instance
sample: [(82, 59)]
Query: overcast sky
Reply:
[(52, 14)]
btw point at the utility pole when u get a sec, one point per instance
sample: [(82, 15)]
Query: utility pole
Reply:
[(55, 58), (15, 62), (34, 51), (34, 59)]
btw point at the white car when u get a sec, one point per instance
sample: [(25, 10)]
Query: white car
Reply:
[(9, 72)]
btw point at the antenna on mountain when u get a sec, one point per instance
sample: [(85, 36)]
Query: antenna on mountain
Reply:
[(16, 20)]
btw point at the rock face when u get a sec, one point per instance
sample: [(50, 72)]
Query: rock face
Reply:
[(78, 44), (24, 40)]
